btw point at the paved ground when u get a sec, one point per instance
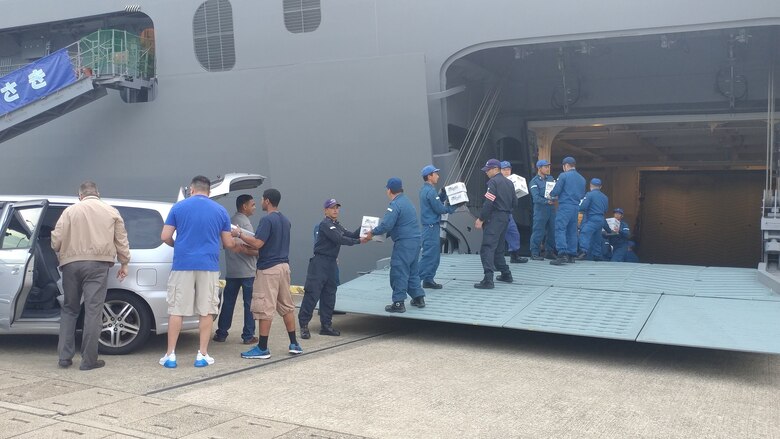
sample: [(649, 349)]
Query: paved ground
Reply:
[(396, 378)]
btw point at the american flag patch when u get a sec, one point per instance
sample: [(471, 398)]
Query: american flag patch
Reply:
[(490, 196)]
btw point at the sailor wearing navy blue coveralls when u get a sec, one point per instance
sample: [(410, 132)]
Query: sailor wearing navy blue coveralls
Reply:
[(512, 236), (618, 239), (569, 189), (593, 207), (431, 210), (544, 213), (493, 220), (400, 224), (321, 276)]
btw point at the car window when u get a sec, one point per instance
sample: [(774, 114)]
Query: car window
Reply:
[(144, 226), (20, 228)]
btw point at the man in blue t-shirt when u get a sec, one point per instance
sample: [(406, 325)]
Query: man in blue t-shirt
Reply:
[(271, 290), (202, 227)]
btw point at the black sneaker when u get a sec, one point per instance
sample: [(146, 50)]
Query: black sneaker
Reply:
[(505, 277), (570, 259), (486, 283), (537, 258), (64, 364), (518, 260), (396, 307), (560, 260), (219, 339), (97, 365), (329, 330), (419, 302), (429, 284), (305, 334), (550, 256)]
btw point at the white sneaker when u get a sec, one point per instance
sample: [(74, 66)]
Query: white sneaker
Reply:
[(203, 360), (168, 360)]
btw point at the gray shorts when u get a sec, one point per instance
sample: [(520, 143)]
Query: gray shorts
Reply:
[(193, 293)]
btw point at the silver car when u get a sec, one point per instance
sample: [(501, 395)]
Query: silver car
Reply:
[(30, 284)]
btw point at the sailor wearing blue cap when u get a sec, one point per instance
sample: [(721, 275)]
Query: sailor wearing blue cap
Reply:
[(593, 208), (493, 220), (619, 237), (543, 226), (432, 207), (322, 273), (569, 189), (512, 236), (400, 224)]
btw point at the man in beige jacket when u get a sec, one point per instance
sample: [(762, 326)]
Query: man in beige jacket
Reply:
[(88, 238)]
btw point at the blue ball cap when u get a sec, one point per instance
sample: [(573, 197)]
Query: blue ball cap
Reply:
[(330, 202), (595, 181), (428, 170), (541, 163), (492, 163), (505, 164), (569, 161), (394, 184), (618, 210)]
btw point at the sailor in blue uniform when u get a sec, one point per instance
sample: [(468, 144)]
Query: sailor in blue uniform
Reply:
[(544, 213), (321, 276), (569, 189), (493, 220), (512, 233), (593, 208), (618, 239), (400, 224), (431, 210)]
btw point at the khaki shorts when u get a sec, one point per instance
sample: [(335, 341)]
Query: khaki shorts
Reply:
[(271, 292), (193, 293)]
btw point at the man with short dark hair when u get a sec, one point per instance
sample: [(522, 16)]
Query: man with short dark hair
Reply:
[(569, 189), (271, 290), (321, 282), (544, 213), (89, 236), (493, 221), (202, 226), (400, 223), (431, 210), (240, 266)]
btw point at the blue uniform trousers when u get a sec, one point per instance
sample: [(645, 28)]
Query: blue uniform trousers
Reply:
[(431, 251), (619, 253), (493, 244), (404, 270), (591, 241), (566, 229), (320, 287), (229, 297), (543, 227), (512, 235)]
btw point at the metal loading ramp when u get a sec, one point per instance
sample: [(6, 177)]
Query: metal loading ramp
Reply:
[(707, 307)]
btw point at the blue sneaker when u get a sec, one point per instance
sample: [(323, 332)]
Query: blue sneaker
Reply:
[(256, 352), (295, 349), (169, 361), (203, 360)]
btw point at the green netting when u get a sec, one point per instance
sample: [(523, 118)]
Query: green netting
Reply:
[(116, 52)]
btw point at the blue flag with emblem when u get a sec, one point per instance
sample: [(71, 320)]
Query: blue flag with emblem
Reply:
[(36, 80)]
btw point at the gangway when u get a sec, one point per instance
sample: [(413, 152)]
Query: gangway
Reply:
[(74, 76)]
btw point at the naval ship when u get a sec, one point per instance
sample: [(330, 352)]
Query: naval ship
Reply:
[(671, 104)]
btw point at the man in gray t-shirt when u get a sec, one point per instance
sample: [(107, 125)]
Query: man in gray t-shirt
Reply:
[(241, 264)]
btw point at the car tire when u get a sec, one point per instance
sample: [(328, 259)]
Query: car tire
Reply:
[(127, 323)]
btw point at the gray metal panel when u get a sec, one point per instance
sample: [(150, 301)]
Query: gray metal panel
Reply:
[(666, 279), (715, 323), (734, 283), (603, 314)]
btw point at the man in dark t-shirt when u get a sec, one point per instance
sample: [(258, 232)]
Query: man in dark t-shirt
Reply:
[(271, 289)]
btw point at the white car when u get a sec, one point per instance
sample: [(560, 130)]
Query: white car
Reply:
[(30, 284)]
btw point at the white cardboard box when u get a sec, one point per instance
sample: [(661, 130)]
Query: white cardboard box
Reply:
[(456, 193), (614, 224), (548, 187), (368, 223), (521, 188)]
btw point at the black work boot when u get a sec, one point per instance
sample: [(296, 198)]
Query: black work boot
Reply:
[(419, 302), (505, 277), (486, 283), (396, 307), (560, 260), (515, 258), (570, 259), (329, 330), (305, 334), (430, 284)]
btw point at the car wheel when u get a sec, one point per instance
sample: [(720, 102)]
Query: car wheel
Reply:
[(127, 323)]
